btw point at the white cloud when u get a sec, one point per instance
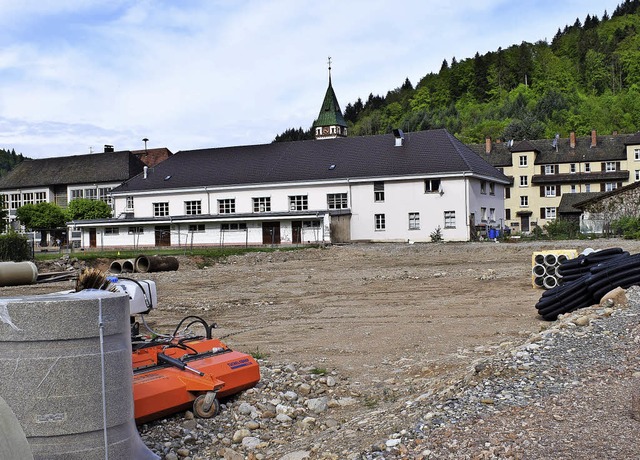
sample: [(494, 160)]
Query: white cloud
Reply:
[(211, 73)]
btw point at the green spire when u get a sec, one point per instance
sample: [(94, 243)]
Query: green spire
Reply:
[(330, 113)]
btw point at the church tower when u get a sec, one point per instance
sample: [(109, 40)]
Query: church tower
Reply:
[(330, 122)]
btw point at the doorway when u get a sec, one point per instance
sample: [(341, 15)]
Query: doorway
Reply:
[(163, 235), (270, 232)]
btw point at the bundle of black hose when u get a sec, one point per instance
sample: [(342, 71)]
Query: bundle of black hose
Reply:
[(551, 313), (614, 260), (624, 282), (601, 255), (564, 293)]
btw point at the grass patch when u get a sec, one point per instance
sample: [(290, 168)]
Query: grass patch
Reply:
[(319, 371), (258, 354)]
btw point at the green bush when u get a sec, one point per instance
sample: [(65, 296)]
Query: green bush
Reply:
[(628, 227), (14, 247), (562, 229), (436, 235)]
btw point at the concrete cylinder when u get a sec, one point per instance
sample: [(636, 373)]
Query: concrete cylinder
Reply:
[(147, 264), (55, 360), (550, 259), (129, 266), (13, 442), (116, 266), (18, 273), (539, 270)]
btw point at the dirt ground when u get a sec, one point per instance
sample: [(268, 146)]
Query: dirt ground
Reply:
[(370, 311)]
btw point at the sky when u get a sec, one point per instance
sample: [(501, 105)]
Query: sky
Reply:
[(186, 74)]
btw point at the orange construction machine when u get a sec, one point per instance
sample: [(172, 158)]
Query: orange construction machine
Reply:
[(185, 369)]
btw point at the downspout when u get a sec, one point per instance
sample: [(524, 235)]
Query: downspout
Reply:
[(466, 206)]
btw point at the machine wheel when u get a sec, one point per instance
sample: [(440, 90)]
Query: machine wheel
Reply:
[(206, 405)]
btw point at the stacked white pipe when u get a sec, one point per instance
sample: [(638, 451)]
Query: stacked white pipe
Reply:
[(544, 267)]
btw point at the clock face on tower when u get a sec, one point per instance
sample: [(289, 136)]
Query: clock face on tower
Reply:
[(325, 130)]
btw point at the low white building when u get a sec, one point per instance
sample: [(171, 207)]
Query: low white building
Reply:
[(394, 187)]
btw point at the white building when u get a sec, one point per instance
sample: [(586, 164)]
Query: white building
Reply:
[(394, 187)]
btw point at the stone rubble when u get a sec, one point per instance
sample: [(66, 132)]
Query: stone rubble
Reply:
[(306, 412)]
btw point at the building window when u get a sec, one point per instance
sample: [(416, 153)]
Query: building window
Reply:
[(91, 193), (587, 187), (549, 190), (492, 188), (27, 198), (15, 201), (196, 228), (637, 174), (449, 219), (380, 222), (135, 230), (587, 167), (431, 185), (5, 201), (161, 209), (549, 213), (193, 207), (492, 214), (483, 214), (129, 203), (262, 204), (337, 200), (41, 197), (298, 203), (574, 189), (104, 194), (572, 168), (549, 169), (311, 223), (483, 187), (523, 161), (636, 154), (378, 191), (75, 194), (111, 231), (414, 221), (227, 206), (524, 201), (524, 181), (233, 226), (610, 166), (507, 214), (609, 186)]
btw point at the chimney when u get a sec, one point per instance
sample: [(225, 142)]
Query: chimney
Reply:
[(487, 145), (108, 148), (572, 139), (399, 135), (594, 139)]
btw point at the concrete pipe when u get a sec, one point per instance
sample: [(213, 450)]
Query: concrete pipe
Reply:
[(550, 270), (116, 266), (148, 264), (539, 259), (550, 259), (550, 282), (13, 442), (65, 361), (18, 273), (539, 281), (129, 266), (539, 270)]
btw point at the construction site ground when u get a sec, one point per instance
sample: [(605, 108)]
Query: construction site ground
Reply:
[(367, 310)]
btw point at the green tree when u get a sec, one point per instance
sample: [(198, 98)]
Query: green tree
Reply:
[(84, 209), (41, 216)]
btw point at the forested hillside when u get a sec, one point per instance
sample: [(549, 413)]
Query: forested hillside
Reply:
[(587, 78), (8, 159)]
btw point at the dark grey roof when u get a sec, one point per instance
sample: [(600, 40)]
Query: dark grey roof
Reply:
[(608, 148), (604, 195), (568, 201), (423, 153), (78, 169), (633, 140)]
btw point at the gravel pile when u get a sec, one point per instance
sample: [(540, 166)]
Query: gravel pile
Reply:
[(562, 393)]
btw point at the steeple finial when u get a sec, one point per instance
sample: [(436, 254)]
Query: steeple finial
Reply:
[(329, 62)]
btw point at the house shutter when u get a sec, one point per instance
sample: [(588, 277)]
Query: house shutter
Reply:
[(617, 166), (557, 169), (542, 170), (507, 214), (542, 191), (619, 184), (558, 190), (542, 213), (602, 187), (507, 192), (603, 166)]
